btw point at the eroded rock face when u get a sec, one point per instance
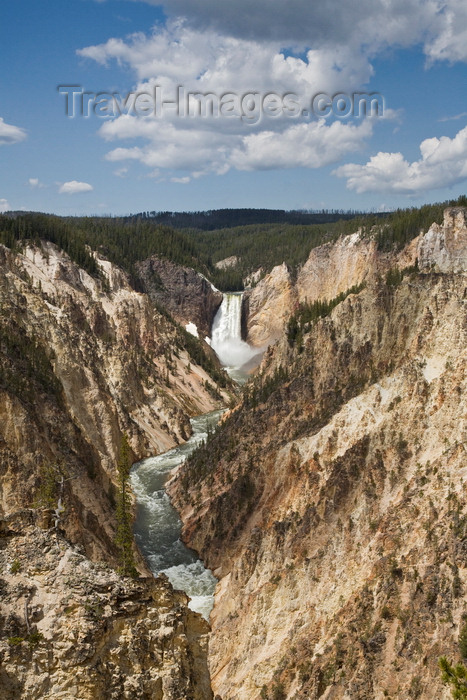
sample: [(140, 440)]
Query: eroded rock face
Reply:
[(231, 261), (337, 526), (336, 267), (444, 248), (82, 362), (183, 292), (74, 630), (330, 270), (267, 306)]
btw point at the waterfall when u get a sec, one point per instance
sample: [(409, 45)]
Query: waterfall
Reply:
[(227, 341)]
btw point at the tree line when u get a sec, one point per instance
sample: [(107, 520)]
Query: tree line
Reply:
[(262, 239)]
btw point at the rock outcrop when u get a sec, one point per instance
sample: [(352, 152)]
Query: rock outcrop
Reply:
[(444, 248), (337, 526), (224, 264), (335, 267), (331, 269), (186, 294), (75, 630), (267, 306)]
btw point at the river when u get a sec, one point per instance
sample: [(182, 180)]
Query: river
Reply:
[(158, 525)]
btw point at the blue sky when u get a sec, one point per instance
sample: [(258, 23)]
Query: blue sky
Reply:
[(412, 52)]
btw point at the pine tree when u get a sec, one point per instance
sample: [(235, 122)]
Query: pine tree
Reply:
[(456, 676), (124, 534)]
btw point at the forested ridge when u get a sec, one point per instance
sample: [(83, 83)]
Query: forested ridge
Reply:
[(228, 218), (264, 239)]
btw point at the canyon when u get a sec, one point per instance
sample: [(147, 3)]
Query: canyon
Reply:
[(85, 359), (329, 502), (336, 525)]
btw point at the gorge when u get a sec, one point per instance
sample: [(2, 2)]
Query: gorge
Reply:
[(329, 502)]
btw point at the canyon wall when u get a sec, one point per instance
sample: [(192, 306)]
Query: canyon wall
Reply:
[(330, 270), (75, 630), (338, 524), (84, 360), (186, 294)]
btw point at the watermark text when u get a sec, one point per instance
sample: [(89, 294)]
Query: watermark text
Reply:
[(250, 107)]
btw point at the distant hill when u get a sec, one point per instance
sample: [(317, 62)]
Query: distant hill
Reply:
[(228, 218)]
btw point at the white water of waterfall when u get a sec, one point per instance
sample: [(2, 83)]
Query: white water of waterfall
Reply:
[(226, 333)]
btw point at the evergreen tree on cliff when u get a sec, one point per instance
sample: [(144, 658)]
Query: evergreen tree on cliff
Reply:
[(124, 534)]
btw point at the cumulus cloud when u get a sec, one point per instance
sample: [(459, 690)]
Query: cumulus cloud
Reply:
[(209, 63), (208, 60), (448, 40), (305, 22), (10, 134), (214, 47), (310, 145), (170, 148), (74, 187), (443, 163), (440, 25), (4, 205), (35, 183)]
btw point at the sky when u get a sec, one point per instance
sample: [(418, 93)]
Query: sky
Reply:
[(121, 106)]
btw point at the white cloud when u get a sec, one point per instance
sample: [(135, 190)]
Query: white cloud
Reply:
[(441, 25), (443, 163), (209, 63), (4, 205), (181, 180), (35, 183), (121, 172), (454, 118), (170, 148), (310, 145), (448, 41), (10, 134), (217, 47), (74, 187)]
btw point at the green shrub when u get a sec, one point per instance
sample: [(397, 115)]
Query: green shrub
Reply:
[(15, 567), (14, 641)]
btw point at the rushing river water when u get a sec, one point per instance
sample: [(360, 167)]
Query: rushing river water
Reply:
[(158, 525)]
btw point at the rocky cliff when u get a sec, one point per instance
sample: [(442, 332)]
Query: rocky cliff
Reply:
[(186, 294), (267, 306), (330, 270), (83, 360), (337, 525), (75, 630), (444, 248)]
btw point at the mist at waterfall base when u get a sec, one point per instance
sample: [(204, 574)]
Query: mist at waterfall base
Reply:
[(158, 525), (226, 336)]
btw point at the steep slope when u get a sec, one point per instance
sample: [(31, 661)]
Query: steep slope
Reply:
[(330, 270), (186, 294), (75, 630), (337, 523), (82, 361)]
